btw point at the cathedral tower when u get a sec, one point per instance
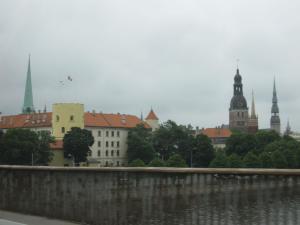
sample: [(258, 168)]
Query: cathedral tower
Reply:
[(238, 111), (28, 99), (253, 119), (275, 120)]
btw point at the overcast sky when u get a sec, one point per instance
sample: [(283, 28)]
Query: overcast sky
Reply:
[(128, 55)]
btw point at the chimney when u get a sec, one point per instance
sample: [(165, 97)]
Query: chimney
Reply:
[(0, 116), (94, 112)]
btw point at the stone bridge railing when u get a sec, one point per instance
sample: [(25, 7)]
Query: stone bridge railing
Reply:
[(167, 196)]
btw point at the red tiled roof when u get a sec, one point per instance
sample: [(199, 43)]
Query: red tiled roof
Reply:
[(216, 132), (151, 116), (111, 120), (26, 120), (90, 120), (57, 145)]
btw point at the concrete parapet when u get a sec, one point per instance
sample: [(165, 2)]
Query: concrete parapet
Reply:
[(112, 196)]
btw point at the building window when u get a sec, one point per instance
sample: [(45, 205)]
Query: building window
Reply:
[(72, 118), (89, 153), (99, 143), (99, 153), (99, 133), (118, 133), (118, 163), (112, 144), (107, 133), (106, 163), (63, 130), (112, 152), (106, 153), (106, 144), (238, 113), (57, 118), (112, 133), (243, 114), (118, 152), (118, 144)]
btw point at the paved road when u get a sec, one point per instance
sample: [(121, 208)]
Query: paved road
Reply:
[(11, 218)]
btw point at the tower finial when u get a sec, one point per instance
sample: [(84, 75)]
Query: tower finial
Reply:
[(237, 64)]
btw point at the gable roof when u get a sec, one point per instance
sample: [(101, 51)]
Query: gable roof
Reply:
[(216, 132), (151, 116), (37, 120), (112, 120), (26, 120)]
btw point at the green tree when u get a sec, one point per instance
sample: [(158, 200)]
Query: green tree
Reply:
[(137, 163), (43, 155), (140, 144), (264, 138), (291, 158), (235, 161), (176, 160), (266, 160), (220, 161), (278, 160), (25, 147), (240, 144), (171, 138), (157, 163), (76, 144), (251, 160), (203, 151)]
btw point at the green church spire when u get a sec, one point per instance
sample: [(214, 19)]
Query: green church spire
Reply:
[(28, 99)]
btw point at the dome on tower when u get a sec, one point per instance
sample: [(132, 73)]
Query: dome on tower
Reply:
[(238, 102)]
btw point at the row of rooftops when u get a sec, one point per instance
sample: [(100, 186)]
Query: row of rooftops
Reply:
[(91, 119)]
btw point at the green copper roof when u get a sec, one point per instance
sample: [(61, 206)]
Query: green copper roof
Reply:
[(28, 99)]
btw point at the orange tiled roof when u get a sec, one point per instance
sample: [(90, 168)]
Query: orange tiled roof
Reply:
[(151, 116), (57, 145), (26, 120), (111, 120), (216, 132), (90, 120)]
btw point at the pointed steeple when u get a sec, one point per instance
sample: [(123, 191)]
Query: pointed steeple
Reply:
[(28, 98), (275, 108), (253, 115), (275, 119)]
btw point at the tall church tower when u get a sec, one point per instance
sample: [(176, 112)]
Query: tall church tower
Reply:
[(275, 120), (28, 99), (253, 119), (238, 111)]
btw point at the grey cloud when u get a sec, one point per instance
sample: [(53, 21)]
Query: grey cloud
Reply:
[(177, 56)]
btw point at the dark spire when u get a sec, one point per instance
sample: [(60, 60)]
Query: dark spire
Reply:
[(28, 99), (275, 108), (275, 119), (288, 130)]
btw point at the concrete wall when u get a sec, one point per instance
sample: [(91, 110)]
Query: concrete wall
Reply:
[(109, 196)]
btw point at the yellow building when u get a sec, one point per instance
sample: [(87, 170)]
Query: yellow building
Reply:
[(65, 116)]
